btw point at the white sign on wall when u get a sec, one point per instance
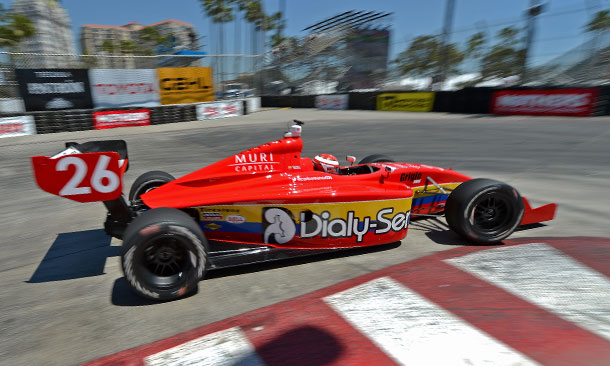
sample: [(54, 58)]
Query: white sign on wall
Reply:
[(219, 110), (124, 88), (338, 101), (17, 126)]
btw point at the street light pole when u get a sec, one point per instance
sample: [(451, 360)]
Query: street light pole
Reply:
[(447, 27), (534, 10)]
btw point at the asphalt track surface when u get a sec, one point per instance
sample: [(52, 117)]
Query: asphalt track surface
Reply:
[(63, 299)]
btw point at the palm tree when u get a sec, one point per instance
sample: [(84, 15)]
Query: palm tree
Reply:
[(220, 12), (14, 28), (600, 22)]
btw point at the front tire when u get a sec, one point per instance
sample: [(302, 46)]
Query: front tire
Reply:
[(164, 254), (484, 211)]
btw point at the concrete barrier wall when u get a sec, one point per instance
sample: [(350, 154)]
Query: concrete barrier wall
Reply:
[(467, 100), (82, 119)]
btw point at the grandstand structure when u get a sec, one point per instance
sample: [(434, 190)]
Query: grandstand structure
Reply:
[(347, 51), (584, 65)]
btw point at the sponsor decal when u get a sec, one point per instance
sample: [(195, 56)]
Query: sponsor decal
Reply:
[(124, 88), (211, 216), (278, 225), (410, 102), (339, 101), (212, 226), (254, 162), (565, 102), (17, 126), (113, 119), (411, 177), (323, 226), (307, 179), (235, 219), (185, 85), (219, 110), (54, 89)]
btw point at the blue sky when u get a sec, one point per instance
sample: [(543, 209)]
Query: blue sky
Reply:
[(559, 29)]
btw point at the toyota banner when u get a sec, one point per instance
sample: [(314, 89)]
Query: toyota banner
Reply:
[(549, 102), (54, 89), (124, 88)]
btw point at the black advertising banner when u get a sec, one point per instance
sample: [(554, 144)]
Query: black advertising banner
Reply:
[(54, 89)]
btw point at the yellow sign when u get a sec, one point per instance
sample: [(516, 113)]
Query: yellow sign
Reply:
[(410, 102), (179, 85)]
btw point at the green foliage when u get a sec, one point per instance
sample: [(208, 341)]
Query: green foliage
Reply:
[(474, 45), (505, 58), (127, 46), (107, 46), (600, 22), (220, 11), (150, 38), (423, 57), (14, 28)]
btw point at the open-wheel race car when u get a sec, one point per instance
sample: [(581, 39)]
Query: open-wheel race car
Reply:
[(269, 203)]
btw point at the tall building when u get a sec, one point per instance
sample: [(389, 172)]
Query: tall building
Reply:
[(107, 40), (53, 34)]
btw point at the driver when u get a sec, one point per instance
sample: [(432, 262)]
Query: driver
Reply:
[(326, 163)]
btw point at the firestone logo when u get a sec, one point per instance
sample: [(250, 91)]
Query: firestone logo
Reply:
[(544, 101)]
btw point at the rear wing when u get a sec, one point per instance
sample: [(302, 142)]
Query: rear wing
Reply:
[(88, 172)]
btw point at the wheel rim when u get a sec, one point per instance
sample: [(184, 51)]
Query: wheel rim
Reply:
[(491, 214), (165, 261)]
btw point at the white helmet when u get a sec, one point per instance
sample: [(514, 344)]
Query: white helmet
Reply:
[(326, 163)]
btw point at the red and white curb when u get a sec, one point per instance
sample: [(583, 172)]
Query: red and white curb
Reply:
[(523, 303)]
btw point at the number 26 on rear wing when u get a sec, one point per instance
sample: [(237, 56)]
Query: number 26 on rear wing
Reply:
[(88, 172)]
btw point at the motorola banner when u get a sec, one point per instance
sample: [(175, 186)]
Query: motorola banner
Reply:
[(124, 88), (54, 89)]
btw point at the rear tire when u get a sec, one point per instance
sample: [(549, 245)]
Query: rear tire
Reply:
[(164, 254), (377, 158), (147, 182), (484, 211)]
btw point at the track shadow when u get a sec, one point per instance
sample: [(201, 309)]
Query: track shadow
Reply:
[(280, 263), (122, 295), (303, 346), (438, 231), (75, 255)]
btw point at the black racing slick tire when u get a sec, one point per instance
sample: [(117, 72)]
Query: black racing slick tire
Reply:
[(164, 254), (484, 211), (147, 182), (376, 158)]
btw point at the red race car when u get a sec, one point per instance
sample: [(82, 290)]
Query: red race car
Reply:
[(269, 203)]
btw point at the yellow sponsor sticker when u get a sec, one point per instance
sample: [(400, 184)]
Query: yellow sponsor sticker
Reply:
[(409, 102)]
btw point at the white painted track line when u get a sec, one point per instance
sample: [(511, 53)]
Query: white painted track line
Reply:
[(415, 331), (224, 348), (548, 278)]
